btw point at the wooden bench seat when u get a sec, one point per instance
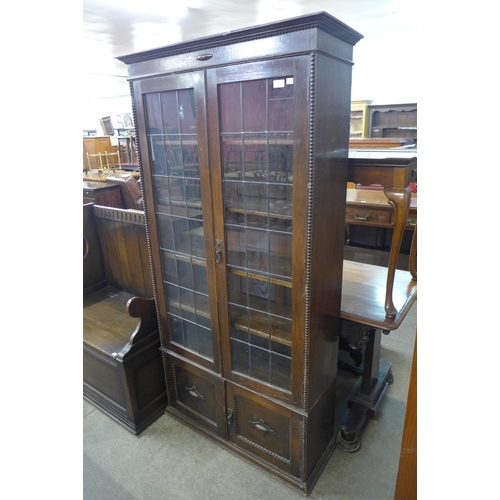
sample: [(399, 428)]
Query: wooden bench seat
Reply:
[(122, 365), (106, 324)]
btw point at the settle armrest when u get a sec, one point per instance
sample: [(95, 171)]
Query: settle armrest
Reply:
[(145, 310), (110, 323)]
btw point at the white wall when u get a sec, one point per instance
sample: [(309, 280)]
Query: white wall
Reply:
[(104, 96), (384, 71), (385, 67)]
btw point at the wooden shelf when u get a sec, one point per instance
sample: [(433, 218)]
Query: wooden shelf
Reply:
[(278, 209), (273, 328), (204, 311), (258, 263)]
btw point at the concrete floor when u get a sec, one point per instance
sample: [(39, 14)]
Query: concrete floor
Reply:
[(170, 461)]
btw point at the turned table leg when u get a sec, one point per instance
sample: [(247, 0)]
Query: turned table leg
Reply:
[(400, 199)]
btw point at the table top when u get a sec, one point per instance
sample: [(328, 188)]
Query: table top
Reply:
[(363, 295), (381, 154)]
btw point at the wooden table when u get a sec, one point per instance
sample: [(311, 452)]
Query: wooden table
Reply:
[(372, 208), (375, 300), (394, 170)]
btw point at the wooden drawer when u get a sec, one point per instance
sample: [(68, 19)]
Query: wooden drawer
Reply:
[(196, 393), (411, 220), (264, 428), (368, 215)]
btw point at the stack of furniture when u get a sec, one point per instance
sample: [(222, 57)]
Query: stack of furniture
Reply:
[(360, 119), (99, 153)]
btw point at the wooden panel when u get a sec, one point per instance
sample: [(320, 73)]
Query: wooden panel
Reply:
[(122, 236), (394, 120), (264, 428), (148, 375), (110, 251), (406, 484), (103, 376), (93, 269), (101, 193), (196, 393)]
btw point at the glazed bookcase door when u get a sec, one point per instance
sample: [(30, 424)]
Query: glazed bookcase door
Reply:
[(171, 125), (258, 109)]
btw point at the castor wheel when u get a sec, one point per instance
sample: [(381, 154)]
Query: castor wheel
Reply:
[(348, 446), (390, 378)]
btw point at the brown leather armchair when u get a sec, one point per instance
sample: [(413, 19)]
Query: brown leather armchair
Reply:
[(130, 190)]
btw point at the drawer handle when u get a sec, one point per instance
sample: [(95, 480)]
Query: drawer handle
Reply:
[(411, 221), (361, 216), (262, 426), (193, 391), (204, 57)]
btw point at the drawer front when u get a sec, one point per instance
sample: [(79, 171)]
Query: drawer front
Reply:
[(263, 428), (411, 220), (196, 393), (367, 215)]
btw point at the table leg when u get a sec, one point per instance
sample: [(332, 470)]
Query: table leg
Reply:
[(400, 200), (366, 397), (413, 256)]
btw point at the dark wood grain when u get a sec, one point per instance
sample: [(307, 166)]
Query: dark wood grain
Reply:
[(122, 365), (277, 411), (406, 483)]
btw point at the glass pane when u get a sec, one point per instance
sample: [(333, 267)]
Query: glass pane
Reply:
[(257, 119), (173, 148)]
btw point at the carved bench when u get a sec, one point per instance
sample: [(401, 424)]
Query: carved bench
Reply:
[(122, 365)]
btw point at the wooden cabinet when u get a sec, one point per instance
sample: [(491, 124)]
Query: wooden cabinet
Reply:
[(243, 146), (394, 120), (94, 146), (360, 119)]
